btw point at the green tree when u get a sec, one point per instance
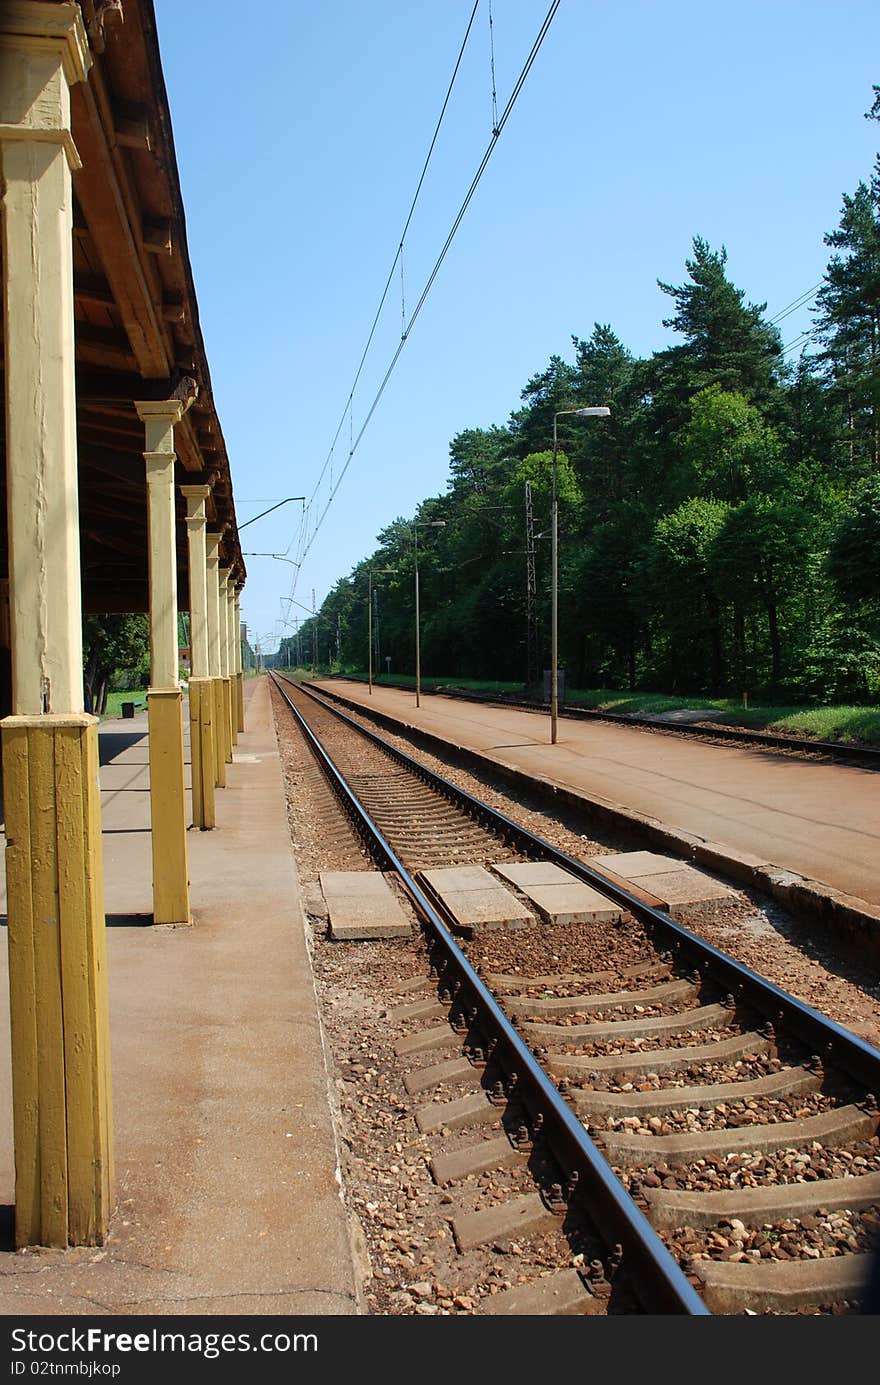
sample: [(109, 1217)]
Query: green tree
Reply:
[(854, 557), (531, 427), (728, 449), (726, 340), (762, 552), (111, 644), (682, 572), (848, 321)]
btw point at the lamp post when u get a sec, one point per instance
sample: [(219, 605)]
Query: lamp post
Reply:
[(598, 411), (421, 524), (379, 571)]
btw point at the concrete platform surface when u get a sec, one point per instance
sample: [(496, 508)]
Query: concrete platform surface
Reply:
[(228, 1195), (818, 819), (362, 904)]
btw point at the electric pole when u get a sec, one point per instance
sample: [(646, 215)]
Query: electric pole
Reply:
[(531, 596)]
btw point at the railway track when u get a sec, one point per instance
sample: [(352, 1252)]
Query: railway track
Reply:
[(708, 1142), (862, 756)]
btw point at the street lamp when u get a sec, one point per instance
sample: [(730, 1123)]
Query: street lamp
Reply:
[(421, 524), (379, 571), (598, 411)]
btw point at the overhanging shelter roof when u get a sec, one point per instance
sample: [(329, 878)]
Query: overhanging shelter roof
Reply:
[(136, 314)]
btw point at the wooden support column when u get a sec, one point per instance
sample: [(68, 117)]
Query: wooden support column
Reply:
[(164, 698), (233, 664), (239, 678), (201, 689), (57, 964), (213, 559), (224, 664)]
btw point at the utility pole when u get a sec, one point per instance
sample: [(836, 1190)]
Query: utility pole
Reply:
[(314, 636), (531, 595), (376, 640)]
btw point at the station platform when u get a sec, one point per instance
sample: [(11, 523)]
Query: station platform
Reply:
[(228, 1197), (761, 813)]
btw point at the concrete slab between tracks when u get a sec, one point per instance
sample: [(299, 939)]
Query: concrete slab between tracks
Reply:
[(228, 1190), (361, 904), (805, 817), (556, 895), (681, 890), (475, 899)]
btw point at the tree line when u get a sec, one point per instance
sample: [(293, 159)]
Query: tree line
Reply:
[(719, 532)]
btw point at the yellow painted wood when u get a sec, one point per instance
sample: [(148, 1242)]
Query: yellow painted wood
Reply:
[(227, 716), (201, 723), (95, 886), (239, 696), (168, 808), (81, 924), (219, 746), (22, 986), (47, 969), (58, 991)]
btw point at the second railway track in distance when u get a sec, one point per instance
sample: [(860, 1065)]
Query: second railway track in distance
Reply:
[(689, 1137)]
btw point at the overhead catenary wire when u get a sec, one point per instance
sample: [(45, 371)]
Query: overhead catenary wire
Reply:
[(798, 341), (492, 69), (399, 251), (307, 536), (505, 116), (800, 301)]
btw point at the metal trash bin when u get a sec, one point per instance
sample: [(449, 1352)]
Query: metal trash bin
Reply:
[(128, 709)]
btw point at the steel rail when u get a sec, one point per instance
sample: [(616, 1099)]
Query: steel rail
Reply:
[(822, 1035), (657, 1279)]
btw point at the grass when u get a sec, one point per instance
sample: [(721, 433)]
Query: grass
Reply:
[(116, 699), (841, 722)]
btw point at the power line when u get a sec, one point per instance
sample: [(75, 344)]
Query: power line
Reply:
[(799, 302), (527, 66), (798, 341), (399, 252)]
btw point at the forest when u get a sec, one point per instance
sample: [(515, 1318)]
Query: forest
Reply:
[(719, 532)]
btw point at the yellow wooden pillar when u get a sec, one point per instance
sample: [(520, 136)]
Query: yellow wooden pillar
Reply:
[(212, 542), (57, 964), (224, 664), (239, 675), (201, 690), (233, 666), (164, 698)]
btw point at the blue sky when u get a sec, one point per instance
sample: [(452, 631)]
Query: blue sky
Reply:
[(301, 131)]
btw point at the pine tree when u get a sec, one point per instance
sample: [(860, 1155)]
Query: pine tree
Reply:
[(848, 321), (727, 342)]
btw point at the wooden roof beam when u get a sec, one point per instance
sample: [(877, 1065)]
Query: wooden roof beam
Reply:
[(103, 206), (92, 289), (131, 125), (156, 237), (103, 346)]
